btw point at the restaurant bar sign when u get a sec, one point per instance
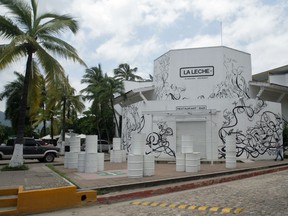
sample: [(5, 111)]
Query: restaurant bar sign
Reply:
[(191, 108), (196, 71)]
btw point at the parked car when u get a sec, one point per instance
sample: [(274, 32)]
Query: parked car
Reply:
[(103, 146), (31, 150)]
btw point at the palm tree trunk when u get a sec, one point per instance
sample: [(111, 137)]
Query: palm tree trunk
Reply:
[(44, 127), (52, 128), (63, 119), (17, 157)]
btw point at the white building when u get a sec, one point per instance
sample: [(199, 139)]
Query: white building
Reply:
[(203, 92)]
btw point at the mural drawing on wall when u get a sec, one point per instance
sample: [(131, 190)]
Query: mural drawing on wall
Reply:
[(158, 143), (133, 122), (256, 140), (165, 90), (234, 85)]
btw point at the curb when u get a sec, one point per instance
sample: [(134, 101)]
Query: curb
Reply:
[(192, 184), (159, 182)]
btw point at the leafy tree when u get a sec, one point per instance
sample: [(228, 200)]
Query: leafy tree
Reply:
[(100, 90), (13, 92), (69, 102), (94, 77), (86, 124), (34, 37), (5, 132), (124, 72), (106, 91)]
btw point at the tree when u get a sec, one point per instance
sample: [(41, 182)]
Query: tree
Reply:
[(70, 103), (124, 72), (100, 90), (13, 93), (33, 36), (94, 77), (5, 132), (106, 91)]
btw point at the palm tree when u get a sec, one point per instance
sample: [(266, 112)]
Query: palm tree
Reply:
[(13, 92), (101, 90), (69, 102), (94, 77), (33, 36), (124, 72), (106, 91)]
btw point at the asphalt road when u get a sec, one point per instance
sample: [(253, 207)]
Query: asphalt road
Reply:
[(262, 195)]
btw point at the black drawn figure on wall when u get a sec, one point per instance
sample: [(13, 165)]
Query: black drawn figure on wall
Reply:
[(158, 141), (165, 90), (133, 122), (257, 140), (234, 85)]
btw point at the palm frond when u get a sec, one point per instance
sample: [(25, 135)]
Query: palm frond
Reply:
[(57, 24), (21, 12), (8, 29), (52, 68), (9, 53), (66, 52)]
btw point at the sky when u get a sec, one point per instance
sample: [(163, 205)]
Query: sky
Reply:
[(112, 32)]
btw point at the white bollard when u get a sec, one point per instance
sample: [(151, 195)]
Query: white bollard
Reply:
[(72, 160), (230, 158), (118, 157), (81, 162), (74, 143), (149, 165), (112, 156), (100, 162), (124, 156), (91, 143), (191, 162), (138, 143), (135, 166), (91, 163), (180, 162), (116, 143), (186, 144)]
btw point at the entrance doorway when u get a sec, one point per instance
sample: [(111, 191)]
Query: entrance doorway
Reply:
[(197, 129)]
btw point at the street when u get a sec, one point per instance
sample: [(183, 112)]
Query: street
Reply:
[(260, 195)]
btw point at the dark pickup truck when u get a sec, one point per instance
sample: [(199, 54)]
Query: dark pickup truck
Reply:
[(31, 150)]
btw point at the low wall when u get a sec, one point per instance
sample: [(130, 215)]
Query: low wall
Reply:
[(43, 200)]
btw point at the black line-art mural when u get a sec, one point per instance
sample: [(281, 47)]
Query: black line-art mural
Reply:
[(132, 121), (256, 140), (165, 90), (158, 141), (234, 85)]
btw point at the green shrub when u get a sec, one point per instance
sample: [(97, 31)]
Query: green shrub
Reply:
[(17, 168)]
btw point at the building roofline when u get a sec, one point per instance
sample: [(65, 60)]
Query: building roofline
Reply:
[(195, 48)]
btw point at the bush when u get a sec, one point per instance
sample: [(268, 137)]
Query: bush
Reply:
[(18, 168)]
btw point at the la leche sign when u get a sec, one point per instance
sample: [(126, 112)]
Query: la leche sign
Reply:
[(197, 71)]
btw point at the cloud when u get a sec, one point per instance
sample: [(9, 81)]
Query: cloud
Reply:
[(137, 32), (198, 41), (120, 51)]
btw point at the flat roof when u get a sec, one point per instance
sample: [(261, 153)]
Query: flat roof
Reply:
[(195, 48), (263, 76), (132, 96)]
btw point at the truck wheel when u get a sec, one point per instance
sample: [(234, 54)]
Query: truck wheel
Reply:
[(49, 157)]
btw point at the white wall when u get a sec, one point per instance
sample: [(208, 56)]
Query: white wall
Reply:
[(279, 79), (225, 89), (228, 78)]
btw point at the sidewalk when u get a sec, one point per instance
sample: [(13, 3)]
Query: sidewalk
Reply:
[(114, 178)]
